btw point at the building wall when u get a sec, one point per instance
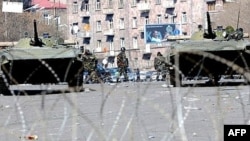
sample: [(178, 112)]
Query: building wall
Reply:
[(170, 11)]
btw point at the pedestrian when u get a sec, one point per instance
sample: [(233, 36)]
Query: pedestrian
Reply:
[(90, 65), (138, 75), (122, 64), (160, 66)]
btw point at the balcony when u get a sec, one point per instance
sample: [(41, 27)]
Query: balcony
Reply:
[(143, 7), (83, 34), (141, 28), (84, 14), (108, 11), (108, 32), (168, 4)]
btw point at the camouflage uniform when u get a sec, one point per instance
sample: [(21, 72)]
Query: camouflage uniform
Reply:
[(122, 63), (237, 35), (160, 66), (90, 64)]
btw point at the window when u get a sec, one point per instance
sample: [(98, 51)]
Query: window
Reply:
[(157, 1), (85, 6), (110, 24), (85, 20), (171, 19), (184, 17), (110, 3), (98, 26), (75, 7), (98, 5), (135, 42), (111, 46), (159, 19), (122, 42), (75, 28), (146, 20), (122, 23), (47, 18), (121, 4), (134, 22), (211, 6), (134, 2), (99, 43)]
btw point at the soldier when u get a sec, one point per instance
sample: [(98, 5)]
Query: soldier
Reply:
[(122, 63), (237, 35), (90, 65), (160, 66)]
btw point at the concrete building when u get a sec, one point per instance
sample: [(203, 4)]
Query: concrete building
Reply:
[(104, 26)]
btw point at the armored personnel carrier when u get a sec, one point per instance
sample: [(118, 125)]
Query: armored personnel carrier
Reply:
[(40, 64), (210, 58)]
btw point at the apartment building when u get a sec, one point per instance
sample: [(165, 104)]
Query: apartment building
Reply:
[(104, 26)]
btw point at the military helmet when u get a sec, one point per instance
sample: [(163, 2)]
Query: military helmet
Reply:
[(123, 49), (87, 52), (159, 54)]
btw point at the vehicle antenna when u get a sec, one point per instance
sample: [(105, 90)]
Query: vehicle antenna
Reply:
[(238, 16)]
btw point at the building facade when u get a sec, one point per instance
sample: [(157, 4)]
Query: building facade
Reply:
[(104, 26)]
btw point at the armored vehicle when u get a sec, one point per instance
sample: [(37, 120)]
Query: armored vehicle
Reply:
[(214, 59), (40, 64)]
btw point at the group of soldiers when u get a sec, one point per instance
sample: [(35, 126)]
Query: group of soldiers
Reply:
[(90, 65)]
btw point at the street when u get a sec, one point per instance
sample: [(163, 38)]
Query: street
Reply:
[(129, 111)]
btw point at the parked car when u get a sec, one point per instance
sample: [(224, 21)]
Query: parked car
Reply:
[(143, 76), (154, 75), (148, 75), (101, 73), (114, 74)]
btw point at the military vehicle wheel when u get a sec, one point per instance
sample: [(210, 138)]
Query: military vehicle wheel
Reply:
[(76, 81), (3, 88), (173, 78), (215, 80)]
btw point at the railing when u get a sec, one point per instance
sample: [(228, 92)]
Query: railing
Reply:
[(141, 28), (108, 32), (108, 11), (168, 4), (143, 7), (84, 34)]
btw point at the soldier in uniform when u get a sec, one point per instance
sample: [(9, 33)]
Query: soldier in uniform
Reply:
[(237, 35), (160, 66), (90, 65), (122, 63)]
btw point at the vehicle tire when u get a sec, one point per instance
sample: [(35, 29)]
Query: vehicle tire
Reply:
[(3, 88), (173, 79)]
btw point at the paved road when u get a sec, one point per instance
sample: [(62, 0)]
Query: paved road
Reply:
[(132, 111)]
